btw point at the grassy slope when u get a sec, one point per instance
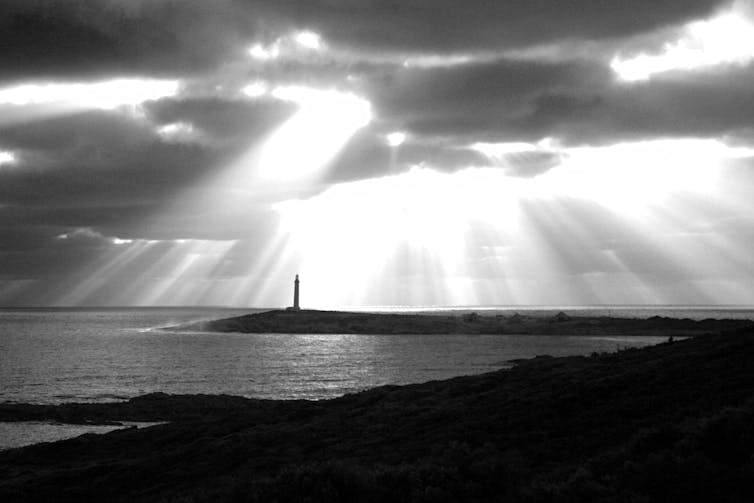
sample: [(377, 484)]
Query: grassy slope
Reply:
[(666, 423)]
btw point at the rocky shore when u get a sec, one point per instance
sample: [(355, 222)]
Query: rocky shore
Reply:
[(672, 422)]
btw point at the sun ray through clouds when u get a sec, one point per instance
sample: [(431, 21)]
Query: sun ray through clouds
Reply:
[(606, 159), (294, 155), (423, 221)]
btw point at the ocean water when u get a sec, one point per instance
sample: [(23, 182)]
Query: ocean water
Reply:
[(23, 433), (95, 355), (99, 355)]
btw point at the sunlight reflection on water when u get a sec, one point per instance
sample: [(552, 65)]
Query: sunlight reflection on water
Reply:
[(106, 355)]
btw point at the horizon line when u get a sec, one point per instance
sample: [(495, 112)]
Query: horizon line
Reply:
[(406, 307)]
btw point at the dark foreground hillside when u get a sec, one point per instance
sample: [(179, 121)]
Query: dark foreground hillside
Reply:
[(673, 422)]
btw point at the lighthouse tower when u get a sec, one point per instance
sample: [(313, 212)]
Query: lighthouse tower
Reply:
[(295, 294)]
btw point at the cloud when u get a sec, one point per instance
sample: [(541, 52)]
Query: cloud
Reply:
[(106, 95), (486, 98), (7, 157), (232, 122), (578, 102), (58, 38), (47, 250), (450, 75), (447, 25), (726, 39), (698, 104), (100, 170), (478, 100)]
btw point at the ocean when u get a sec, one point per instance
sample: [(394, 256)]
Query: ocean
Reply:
[(109, 354)]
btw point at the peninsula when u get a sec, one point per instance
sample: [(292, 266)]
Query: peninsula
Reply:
[(295, 321)]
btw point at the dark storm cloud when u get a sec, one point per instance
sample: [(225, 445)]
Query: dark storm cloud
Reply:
[(17, 239), (77, 133), (112, 157), (232, 123), (71, 39), (482, 101), (110, 172), (37, 253), (449, 25), (694, 104), (578, 102), (496, 100), (43, 38), (25, 226), (700, 103), (368, 155), (97, 158)]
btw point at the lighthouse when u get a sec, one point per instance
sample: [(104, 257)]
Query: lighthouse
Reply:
[(295, 294)]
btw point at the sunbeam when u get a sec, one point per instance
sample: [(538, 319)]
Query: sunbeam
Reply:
[(151, 272), (302, 146), (181, 271), (421, 228), (608, 225)]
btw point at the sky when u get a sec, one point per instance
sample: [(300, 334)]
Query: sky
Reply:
[(391, 153)]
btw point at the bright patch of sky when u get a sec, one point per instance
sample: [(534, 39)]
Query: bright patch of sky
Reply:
[(395, 139), (262, 53), (444, 60), (625, 176), (255, 89), (7, 157), (292, 43), (727, 39), (304, 144), (359, 229), (85, 232), (309, 39), (177, 131), (119, 241), (105, 95)]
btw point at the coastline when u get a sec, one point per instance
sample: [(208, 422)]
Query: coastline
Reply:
[(666, 422), (355, 322)]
